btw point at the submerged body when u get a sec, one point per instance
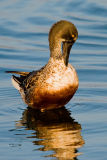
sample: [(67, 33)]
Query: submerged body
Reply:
[(55, 84)]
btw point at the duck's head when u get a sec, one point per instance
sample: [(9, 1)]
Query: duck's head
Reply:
[(63, 33)]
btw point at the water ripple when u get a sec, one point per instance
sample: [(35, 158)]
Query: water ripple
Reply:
[(24, 27)]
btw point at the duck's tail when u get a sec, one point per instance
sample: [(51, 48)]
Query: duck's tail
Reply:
[(16, 81), (18, 72)]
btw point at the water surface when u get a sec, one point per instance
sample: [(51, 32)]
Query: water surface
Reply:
[(78, 129)]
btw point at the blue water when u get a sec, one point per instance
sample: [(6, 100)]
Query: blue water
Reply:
[(78, 130)]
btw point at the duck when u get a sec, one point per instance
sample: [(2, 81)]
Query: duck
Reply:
[(54, 84)]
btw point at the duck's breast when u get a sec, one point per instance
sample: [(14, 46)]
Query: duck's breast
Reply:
[(62, 79)]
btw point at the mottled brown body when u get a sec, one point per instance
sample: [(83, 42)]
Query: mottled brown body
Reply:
[(51, 87)]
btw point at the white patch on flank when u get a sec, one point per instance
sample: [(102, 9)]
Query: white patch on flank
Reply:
[(15, 84)]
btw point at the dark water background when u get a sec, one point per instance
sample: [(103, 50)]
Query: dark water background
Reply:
[(61, 134)]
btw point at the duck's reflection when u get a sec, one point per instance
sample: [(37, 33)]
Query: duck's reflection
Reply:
[(56, 131)]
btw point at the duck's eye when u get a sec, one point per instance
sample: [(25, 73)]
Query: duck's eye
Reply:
[(73, 35)]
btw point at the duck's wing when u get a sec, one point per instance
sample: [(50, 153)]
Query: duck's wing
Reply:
[(26, 80)]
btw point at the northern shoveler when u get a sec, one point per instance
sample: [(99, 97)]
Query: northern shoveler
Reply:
[(54, 84)]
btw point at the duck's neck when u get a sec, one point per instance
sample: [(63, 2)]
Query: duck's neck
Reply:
[(55, 48), (59, 51), (66, 52)]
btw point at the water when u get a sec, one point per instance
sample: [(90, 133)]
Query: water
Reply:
[(78, 130)]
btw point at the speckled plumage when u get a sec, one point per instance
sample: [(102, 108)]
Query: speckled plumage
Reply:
[(55, 84)]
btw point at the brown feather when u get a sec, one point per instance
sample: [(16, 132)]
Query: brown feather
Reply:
[(18, 72)]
